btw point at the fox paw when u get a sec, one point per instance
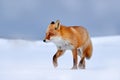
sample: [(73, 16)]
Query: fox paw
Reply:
[(74, 67), (55, 64), (81, 66)]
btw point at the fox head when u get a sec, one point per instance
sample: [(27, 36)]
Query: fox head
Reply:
[(53, 31)]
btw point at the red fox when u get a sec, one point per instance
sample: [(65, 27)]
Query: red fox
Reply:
[(74, 38)]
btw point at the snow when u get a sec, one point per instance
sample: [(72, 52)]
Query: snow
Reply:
[(32, 60)]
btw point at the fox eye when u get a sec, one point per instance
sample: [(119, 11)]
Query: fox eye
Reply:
[(51, 34)]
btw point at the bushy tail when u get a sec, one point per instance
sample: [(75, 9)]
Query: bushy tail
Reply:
[(88, 51)]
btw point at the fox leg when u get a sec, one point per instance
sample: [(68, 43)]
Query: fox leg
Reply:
[(82, 56), (58, 54), (87, 53), (74, 53), (82, 62)]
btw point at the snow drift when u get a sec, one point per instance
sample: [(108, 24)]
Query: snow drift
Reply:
[(32, 60)]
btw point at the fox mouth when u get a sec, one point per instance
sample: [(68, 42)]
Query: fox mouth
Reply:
[(48, 40)]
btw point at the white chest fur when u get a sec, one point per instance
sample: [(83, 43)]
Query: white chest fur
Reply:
[(61, 43)]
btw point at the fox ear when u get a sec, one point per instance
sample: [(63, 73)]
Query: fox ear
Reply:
[(57, 25), (52, 22)]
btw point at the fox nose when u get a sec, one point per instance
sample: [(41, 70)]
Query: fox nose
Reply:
[(44, 40)]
